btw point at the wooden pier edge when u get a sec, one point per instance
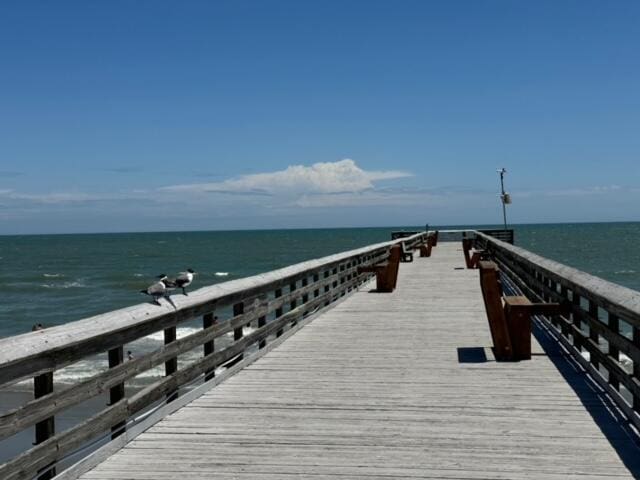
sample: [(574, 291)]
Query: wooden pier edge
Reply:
[(291, 297), (593, 302), (43, 352), (98, 456), (349, 397)]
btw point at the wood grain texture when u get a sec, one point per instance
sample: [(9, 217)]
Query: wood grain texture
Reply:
[(379, 388), (621, 301), (53, 348), (588, 303)]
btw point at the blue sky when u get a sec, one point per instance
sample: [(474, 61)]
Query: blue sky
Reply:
[(120, 116)]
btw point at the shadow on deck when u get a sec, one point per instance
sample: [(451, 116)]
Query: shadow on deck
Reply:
[(604, 412)]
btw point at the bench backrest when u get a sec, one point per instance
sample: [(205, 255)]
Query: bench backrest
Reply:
[(395, 255), (492, 295), (467, 243)]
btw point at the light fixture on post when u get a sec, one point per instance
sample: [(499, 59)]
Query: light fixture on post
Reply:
[(505, 198)]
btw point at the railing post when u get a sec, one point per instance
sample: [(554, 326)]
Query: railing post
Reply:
[(262, 321), (278, 314), (116, 393), (238, 333), (305, 296), (43, 385), (327, 287), (575, 300), (171, 365), (614, 325), (316, 279), (294, 302), (208, 321), (334, 285), (636, 367), (593, 335)]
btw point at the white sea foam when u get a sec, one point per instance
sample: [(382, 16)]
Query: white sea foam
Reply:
[(85, 369), (625, 362), (625, 272), (52, 275), (75, 284), (138, 275), (180, 333), (221, 274)]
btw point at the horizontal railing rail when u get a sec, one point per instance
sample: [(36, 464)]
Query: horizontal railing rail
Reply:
[(506, 235), (603, 327), (272, 302)]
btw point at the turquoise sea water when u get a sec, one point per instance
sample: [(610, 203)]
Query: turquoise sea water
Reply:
[(55, 279)]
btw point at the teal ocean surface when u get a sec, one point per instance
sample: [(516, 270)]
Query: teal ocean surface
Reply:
[(55, 279)]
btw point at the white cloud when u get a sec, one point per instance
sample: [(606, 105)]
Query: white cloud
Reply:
[(54, 197), (330, 177)]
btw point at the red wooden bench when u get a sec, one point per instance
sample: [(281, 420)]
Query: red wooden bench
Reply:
[(386, 272), (425, 248), (472, 257), (510, 316)]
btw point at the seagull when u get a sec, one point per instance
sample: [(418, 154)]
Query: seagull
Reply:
[(157, 289), (183, 280)]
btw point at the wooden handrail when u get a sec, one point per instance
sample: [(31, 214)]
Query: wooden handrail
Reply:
[(602, 306), (303, 288)]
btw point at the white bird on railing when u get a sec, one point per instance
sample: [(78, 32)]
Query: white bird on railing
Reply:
[(182, 281), (157, 289)]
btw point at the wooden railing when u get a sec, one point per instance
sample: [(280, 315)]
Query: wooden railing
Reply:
[(603, 327), (273, 302), (506, 235)]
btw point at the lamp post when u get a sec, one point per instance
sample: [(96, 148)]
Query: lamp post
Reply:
[(504, 197)]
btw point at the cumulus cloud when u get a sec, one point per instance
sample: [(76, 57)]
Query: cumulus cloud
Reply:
[(329, 177)]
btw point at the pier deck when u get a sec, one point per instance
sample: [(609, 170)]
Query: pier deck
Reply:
[(392, 386)]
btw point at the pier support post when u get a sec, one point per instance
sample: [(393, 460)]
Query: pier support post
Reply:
[(116, 393), (208, 321), (327, 288), (575, 301), (43, 385), (614, 325), (238, 333), (262, 321), (636, 367), (171, 365), (294, 302), (305, 297), (593, 335), (316, 279), (278, 314)]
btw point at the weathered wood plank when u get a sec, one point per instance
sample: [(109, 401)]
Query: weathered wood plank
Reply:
[(47, 406), (55, 347), (621, 301), (378, 387)]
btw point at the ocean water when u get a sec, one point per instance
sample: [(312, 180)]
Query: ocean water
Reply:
[(55, 279)]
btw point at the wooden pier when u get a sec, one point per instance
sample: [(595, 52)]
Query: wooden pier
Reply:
[(383, 385)]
